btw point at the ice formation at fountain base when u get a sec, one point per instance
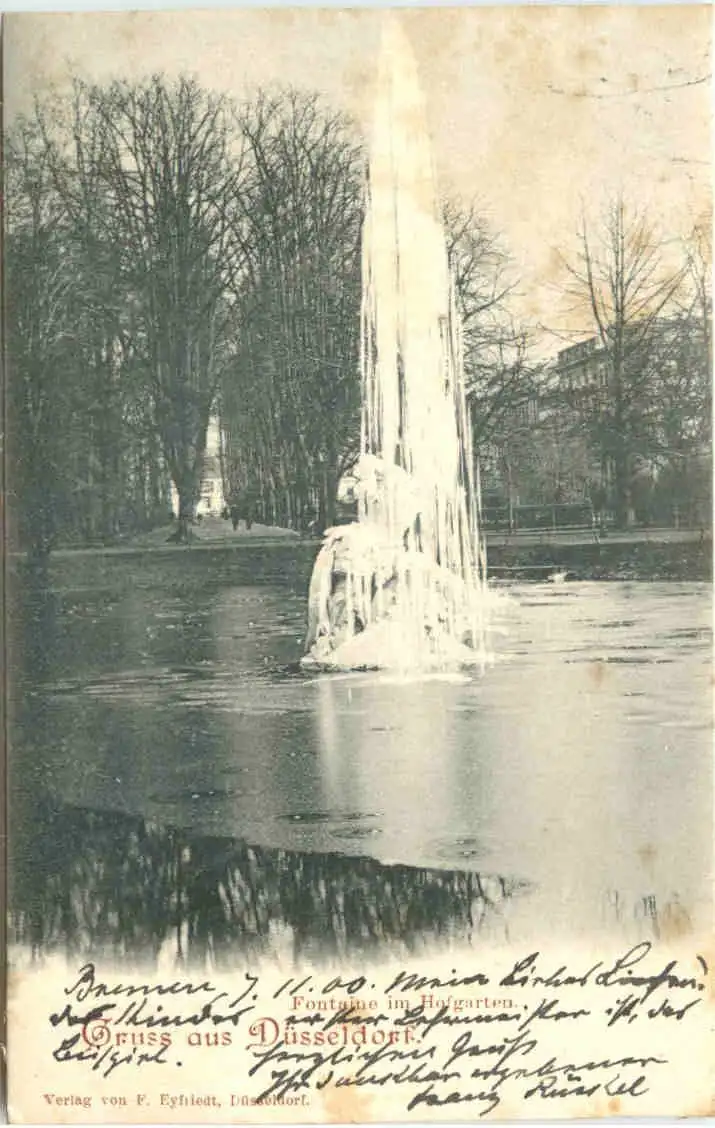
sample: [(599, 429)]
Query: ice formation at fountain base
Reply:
[(377, 601)]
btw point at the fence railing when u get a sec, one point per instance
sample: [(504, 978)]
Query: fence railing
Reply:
[(558, 516)]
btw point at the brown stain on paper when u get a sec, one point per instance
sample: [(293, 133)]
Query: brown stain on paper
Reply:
[(597, 673), (647, 855), (674, 921), (346, 1104)]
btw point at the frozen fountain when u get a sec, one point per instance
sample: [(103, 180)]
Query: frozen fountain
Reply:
[(405, 585)]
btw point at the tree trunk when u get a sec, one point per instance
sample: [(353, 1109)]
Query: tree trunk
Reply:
[(187, 505), (624, 513), (510, 497)]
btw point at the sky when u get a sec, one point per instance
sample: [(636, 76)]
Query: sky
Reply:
[(539, 113)]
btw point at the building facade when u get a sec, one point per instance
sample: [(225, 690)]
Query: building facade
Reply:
[(211, 498)]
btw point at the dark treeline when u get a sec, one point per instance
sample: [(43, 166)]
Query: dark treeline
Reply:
[(124, 257), (290, 410), (171, 255)]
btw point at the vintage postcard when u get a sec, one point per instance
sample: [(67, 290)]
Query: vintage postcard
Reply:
[(358, 609)]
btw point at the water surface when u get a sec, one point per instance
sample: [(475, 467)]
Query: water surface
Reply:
[(166, 692)]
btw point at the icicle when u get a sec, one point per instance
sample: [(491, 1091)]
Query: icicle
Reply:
[(414, 562)]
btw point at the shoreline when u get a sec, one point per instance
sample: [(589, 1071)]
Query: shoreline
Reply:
[(644, 555), (642, 560)]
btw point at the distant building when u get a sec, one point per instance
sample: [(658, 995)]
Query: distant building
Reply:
[(502, 489), (582, 373), (211, 500), (658, 411), (585, 374)]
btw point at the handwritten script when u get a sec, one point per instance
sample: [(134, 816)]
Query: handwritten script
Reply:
[(471, 1037)]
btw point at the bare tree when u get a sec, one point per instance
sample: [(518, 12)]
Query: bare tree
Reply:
[(680, 361), (120, 478), (483, 277), (698, 289), (88, 461), (622, 278), (172, 175), (290, 402), (40, 278), (499, 376)]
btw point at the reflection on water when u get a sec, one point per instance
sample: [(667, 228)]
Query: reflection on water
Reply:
[(109, 884), (168, 690)]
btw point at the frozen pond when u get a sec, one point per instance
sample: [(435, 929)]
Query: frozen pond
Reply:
[(576, 768)]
